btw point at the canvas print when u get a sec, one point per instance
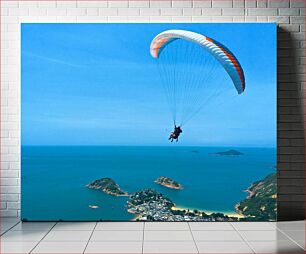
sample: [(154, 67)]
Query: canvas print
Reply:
[(148, 122)]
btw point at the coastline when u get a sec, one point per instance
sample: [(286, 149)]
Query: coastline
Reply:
[(180, 187), (230, 214), (250, 193), (180, 208)]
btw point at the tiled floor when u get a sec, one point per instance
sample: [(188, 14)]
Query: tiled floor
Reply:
[(152, 237)]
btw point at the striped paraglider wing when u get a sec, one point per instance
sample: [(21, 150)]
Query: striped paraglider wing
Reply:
[(222, 54)]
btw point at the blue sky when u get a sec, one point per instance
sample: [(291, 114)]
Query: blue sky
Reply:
[(97, 84)]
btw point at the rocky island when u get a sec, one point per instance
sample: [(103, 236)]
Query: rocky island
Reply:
[(150, 205), (93, 206), (107, 185), (168, 182), (195, 151), (229, 153), (260, 203)]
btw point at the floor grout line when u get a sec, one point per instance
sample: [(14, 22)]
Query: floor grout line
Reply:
[(43, 237), (290, 238), (272, 224), (90, 237), (143, 232), (14, 225), (244, 240), (193, 237)]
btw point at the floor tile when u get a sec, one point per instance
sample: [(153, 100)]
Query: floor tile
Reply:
[(169, 247), (60, 247), (5, 226), (9, 224), (211, 226), (297, 236), (17, 247), (291, 225), (258, 235), (223, 247), (126, 237), (276, 247), (166, 226), (74, 226), (253, 226), (119, 226), (3, 230), (167, 236), (100, 236), (22, 236), (67, 236), (216, 236), (33, 226), (114, 247)]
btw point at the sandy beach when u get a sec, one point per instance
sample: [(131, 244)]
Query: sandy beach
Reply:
[(230, 214)]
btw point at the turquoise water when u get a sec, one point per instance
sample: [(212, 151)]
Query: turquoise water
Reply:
[(54, 178)]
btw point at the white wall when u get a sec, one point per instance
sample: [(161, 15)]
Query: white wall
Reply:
[(289, 14)]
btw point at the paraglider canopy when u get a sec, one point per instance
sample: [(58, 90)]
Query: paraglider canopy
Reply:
[(219, 51), (215, 53)]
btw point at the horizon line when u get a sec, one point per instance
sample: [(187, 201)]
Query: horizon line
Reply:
[(134, 145)]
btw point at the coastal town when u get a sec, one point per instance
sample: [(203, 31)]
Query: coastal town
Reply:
[(151, 205)]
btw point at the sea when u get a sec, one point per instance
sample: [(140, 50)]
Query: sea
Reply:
[(53, 178)]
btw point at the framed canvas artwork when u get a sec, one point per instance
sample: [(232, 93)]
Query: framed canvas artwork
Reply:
[(148, 122)]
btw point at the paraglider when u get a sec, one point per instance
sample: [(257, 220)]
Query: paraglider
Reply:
[(175, 134), (194, 69)]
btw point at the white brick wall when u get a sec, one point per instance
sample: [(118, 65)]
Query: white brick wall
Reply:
[(288, 13)]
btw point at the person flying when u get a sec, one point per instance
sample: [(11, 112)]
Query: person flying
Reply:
[(175, 134)]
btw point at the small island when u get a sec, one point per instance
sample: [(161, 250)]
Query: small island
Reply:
[(93, 206), (168, 182), (107, 185), (229, 153)]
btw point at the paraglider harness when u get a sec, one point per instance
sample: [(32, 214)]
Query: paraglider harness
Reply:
[(175, 134)]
